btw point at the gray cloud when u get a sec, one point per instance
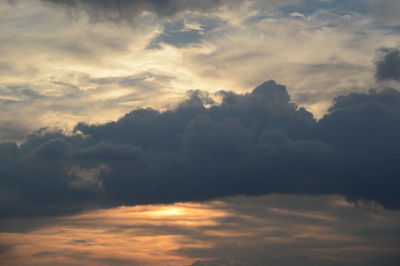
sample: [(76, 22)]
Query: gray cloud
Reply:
[(300, 261), (388, 64), (255, 143), (386, 11), (127, 10)]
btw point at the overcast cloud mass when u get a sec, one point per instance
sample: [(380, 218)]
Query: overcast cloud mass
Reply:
[(252, 144)]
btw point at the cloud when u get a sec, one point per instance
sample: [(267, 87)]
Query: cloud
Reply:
[(254, 143), (196, 51), (117, 11), (265, 230), (300, 261), (127, 10), (388, 64), (385, 11)]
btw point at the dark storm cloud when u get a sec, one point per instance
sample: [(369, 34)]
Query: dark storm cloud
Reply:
[(388, 64), (256, 143), (127, 10)]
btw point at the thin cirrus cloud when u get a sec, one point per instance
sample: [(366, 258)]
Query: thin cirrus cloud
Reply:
[(254, 143)]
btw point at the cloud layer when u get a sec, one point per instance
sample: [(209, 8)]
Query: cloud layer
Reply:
[(254, 143), (282, 230), (127, 10), (96, 72)]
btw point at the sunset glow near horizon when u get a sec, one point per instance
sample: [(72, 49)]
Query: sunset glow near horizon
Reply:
[(253, 231), (200, 132)]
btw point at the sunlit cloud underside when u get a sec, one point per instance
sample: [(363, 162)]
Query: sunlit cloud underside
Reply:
[(276, 229)]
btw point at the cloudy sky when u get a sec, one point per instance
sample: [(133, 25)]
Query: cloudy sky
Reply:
[(199, 132)]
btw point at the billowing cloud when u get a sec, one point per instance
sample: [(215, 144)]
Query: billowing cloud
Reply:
[(254, 143), (388, 64), (96, 72)]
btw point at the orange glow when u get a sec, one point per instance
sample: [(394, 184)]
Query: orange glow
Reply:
[(98, 234), (179, 234)]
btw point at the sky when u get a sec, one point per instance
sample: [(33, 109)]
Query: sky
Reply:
[(199, 132)]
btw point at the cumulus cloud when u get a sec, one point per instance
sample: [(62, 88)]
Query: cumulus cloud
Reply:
[(254, 143), (388, 64), (202, 51)]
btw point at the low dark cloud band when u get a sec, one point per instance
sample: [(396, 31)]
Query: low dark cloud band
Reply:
[(256, 143)]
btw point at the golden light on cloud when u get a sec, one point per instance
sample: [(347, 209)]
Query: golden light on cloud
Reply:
[(182, 233), (143, 235), (226, 52)]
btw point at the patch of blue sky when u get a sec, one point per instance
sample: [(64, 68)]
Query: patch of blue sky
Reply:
[(309, 7), (183, 33), (330, 13)]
